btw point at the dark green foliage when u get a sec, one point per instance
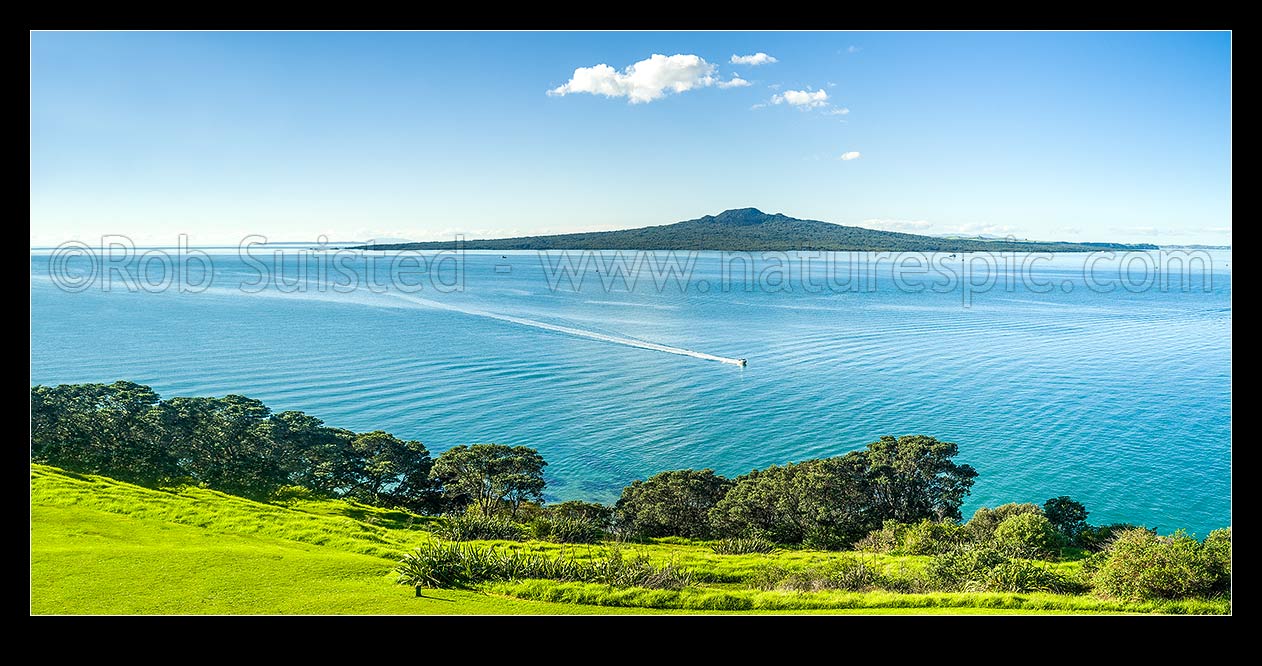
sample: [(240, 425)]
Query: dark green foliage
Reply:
[(753, 230), (743, 546), (818, 503), (100, 429), (224, 443), (563, 529), (1096, 539), (318, 458), (490, 477), (475, 527), (1028, 535), (600, 515), (1140, 565), (1067, 515), (930, 537), (233, 444), (981, 527), (388, 471), (453, 565), (673, 503), (913, 478)]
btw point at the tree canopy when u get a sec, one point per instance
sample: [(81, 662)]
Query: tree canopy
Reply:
[(490, 476), (820, 503), (675, 503), (1066, 514), (233, 444), (914, 477)]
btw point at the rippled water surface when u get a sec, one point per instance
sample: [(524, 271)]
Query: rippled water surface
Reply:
[(1121, 399)]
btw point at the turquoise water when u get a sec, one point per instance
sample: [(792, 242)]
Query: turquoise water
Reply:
[(1120, 399)]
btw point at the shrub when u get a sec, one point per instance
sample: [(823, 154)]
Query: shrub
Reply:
[(849, 574), (449, 565), (560, 529), (286, 494), (1027, 535), (931, 538), (885, 539), (1141, 566), (1027, 576), (767, 577), (743, 546), (981, 527), (1089, 566), (963, 569), (475, 528), (1096, 539), (599, 514), (906, 580), (1218, 545), (852, 575)]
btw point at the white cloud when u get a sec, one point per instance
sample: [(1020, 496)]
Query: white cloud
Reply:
[(1220, 230), (854, 49), (759, 58), (644, 81), (839, 111), (896, 225), (850, 155), (759, 105), (803, 99), (734, 82), (832, 85), (774, 86)]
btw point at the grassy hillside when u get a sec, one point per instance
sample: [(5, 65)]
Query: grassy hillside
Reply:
[(749, 229), (103, 546)]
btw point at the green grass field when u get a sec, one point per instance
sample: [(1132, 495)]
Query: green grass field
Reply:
[(103, 546)]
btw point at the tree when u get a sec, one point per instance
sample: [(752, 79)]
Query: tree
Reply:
[(1068, 516), (821, 503), (490, 476), (233, 444), (315, 456), (100, 428), (223, 443), (913, 478), (389, 471), (675, 503)]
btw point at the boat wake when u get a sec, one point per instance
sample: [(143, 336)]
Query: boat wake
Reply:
[(577, 332)]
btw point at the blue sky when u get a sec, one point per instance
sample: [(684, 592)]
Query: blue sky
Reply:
[(1071, 136)]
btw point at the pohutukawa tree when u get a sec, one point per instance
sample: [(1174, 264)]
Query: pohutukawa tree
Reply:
[(490, 477)]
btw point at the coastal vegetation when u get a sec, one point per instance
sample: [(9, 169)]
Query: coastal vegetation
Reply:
[(141, 504)]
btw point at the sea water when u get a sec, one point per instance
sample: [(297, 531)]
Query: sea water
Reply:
[(1119, 397)]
